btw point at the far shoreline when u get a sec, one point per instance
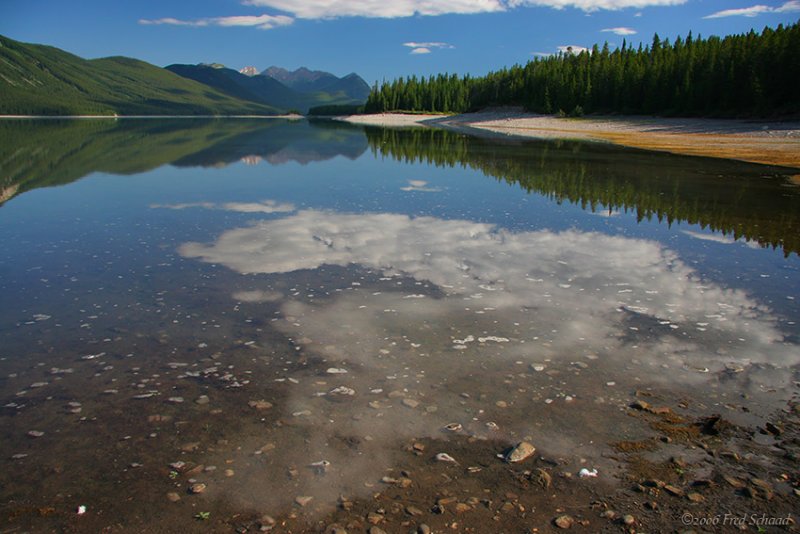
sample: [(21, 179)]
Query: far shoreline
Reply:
[(755, 141), (291, 116), (761, 141)]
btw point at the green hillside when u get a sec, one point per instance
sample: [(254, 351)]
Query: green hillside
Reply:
[(43, 80), (44, 153)]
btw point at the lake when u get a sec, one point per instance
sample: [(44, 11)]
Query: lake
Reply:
[(206, 321)]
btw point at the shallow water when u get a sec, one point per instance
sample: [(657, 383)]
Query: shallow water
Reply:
[(372, 286)]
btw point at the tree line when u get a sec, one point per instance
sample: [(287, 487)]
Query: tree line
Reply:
[(746, 74), (747, 204)]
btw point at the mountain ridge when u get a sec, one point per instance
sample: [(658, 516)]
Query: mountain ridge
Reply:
[(37, 79), (299, 90)]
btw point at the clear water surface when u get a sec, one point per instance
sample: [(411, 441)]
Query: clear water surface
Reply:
[(160, 279)]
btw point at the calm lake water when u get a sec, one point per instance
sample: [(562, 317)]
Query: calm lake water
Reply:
[(160, 279)]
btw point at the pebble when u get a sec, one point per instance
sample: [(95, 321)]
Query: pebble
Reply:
[(229, 473), (197, 488), (35, 433), (202, 399), (543, 478), (413, 511), (410, 403), (564, 521), (260, 404), (303, 500), (175, 400), (173, 496), (673, 490), (695, 497), (521, 452), (628, 520), (423, 529), (376, 530), (374, 518), (444, 457)]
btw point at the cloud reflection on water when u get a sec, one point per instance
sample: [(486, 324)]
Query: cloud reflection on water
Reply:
[(463, 307)]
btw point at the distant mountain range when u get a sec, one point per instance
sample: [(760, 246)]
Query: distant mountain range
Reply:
[(298, 90), (43, 80)]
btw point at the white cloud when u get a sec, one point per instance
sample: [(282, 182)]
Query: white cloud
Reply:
[(554, 273), (432, 44), (572, 49), (710, 237), (620, 30), (789, 7), (426, 48), (753, 11), (419, 326), (174, 22), (596, 5), (327, 9), (262, 22), (421, 186), (265, 206)]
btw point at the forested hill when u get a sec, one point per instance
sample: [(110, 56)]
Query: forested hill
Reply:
[(43, 80), (739, 75)]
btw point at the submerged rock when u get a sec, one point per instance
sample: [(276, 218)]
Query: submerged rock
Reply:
[(303, 500), (563, 521), (521, 452)]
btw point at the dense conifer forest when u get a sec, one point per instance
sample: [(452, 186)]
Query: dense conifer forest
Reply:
[(594, 177), (738, 75)]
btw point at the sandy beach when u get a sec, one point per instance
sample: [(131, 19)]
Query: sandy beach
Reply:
[(767, 142)]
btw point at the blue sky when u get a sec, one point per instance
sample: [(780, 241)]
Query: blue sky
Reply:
[(376, 38)]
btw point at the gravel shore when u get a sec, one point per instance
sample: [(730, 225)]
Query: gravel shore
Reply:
[(758, 141)]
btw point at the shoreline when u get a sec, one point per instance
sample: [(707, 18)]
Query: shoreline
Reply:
[(755, 141), (115, 117)]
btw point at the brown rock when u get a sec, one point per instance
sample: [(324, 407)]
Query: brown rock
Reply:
[(563, 521), (673, 490), (260, 404), (374, 518), (173, 496), (520, 453), (197, 488), (413, 511), (735, 482), (695, 497), (303, 500)]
